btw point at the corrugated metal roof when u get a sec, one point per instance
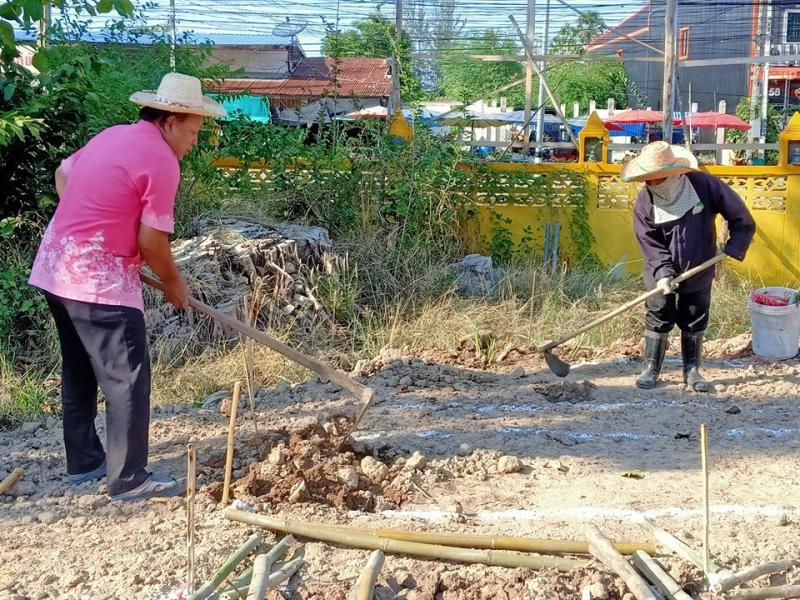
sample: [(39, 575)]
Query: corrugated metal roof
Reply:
[(314, 77)]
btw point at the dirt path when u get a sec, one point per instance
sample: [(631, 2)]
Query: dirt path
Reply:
[(575, 441)]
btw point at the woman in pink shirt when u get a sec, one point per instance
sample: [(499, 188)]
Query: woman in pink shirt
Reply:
[(115, 211)]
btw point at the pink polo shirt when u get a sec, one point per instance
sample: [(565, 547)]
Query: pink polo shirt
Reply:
[(124, 176)]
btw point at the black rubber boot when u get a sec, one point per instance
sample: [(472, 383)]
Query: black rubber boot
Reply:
[(655, 346), (692, 353)]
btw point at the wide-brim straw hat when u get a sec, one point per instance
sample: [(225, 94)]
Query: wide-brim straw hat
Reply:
[(179, 93), (658, 160)]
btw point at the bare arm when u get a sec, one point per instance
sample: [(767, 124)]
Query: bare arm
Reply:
[(61, 181), (154, 247)]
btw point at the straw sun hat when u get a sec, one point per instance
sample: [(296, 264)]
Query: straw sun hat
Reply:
[(658, 160), (180, 93)]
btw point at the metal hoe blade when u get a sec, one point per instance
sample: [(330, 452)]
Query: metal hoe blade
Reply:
[(556, 365)]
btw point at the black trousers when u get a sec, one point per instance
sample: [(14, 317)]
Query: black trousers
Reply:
[(688, 311), (107, 346)]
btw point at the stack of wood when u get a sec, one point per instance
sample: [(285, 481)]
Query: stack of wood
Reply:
[(275, 267)]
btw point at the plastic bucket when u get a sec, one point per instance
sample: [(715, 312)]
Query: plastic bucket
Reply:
[(776, 329)]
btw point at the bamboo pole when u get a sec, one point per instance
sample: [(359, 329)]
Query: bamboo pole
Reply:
[(250, 315), (191, 481), (681, 549), (277, 578), (499, 542), (227, 567), (783, 591), (260, 580), (746, 575), (659, 577), (603, 551), (9, 481), (706, 515), (364, 589), (226, 488), (357, 539), (262, 568)]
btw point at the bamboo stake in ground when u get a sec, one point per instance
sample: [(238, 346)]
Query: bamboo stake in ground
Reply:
[(359, 539), (706, 515), (658, 576), (9, 481), (250, 315), (191, 479), (746, 575), (364, 589), (601, 548), (227, 567), (226, 488), (783, 591)]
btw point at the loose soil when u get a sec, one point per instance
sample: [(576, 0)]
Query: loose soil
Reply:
[(505, 450)]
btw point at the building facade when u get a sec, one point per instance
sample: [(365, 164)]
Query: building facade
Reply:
[(705, 31)]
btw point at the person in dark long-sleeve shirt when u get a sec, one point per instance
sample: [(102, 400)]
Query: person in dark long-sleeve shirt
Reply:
[(674, 219)]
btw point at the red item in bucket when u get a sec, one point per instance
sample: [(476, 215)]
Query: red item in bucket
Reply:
[(769, 300)]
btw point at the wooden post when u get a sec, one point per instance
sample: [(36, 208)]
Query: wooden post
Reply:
[(706, 515), (602, 550), (723, 108), (237, 391), (668, 88), (191, 484), (250, 316)]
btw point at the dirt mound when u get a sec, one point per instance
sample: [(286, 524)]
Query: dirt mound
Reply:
[(313, 465), (566, 391)]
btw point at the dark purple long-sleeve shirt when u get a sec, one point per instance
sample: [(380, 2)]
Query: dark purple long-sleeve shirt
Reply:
[(671, 248)]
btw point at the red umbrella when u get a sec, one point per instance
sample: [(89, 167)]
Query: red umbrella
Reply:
[(713, 120), (639, 116)]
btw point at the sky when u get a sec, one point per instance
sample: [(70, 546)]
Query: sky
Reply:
[(261, 16)]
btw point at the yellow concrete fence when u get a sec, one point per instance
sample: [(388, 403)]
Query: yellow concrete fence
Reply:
[(513, 204)]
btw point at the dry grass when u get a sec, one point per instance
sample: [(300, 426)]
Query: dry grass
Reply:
[(430, 316)]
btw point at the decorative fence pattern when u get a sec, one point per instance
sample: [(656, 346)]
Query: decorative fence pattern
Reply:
[(522, 199)]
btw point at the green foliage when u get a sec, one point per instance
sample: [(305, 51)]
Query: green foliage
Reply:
[(28, 13), (45, 118), (375, 36), (467, 79), (573, 39), (583, 82), (501, 245), (775, 121)]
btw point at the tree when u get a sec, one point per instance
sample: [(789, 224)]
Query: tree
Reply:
[(585, 81), (468, 80), (573, 39), (432, 32), (376, 36), (28, 13)]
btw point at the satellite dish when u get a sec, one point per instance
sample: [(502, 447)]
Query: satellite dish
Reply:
[(289, 28)]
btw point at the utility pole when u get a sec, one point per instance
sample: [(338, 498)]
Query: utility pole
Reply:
[(394, 96), (530, 30), (765, 84), (540, 101), (668, 88), (173, 27)]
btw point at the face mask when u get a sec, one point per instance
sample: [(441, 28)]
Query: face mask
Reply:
[(666, 188)]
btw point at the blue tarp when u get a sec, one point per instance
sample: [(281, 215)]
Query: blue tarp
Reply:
[(255, 108)]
